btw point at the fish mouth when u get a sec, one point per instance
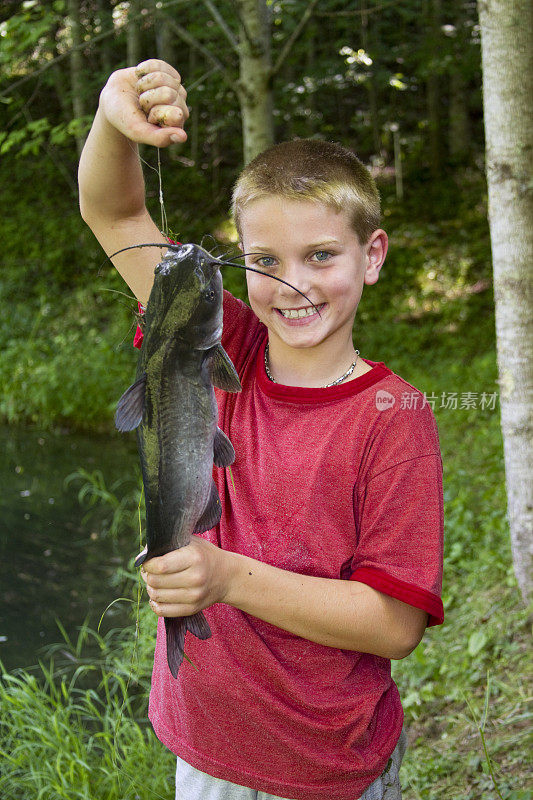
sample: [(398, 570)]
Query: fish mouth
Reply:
[(302, 312)]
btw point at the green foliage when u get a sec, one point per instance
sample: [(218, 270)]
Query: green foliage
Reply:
[(78, 734), (114, 508)]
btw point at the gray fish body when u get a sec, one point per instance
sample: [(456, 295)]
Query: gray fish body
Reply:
[(172, 404), (176, 441)]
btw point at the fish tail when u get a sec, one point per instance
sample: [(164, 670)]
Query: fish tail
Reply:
[(176, 628)]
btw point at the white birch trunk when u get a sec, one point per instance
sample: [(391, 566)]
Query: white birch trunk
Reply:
[(506, 35)]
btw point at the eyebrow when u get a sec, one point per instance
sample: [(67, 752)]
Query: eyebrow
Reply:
[(325, 243), (266, 248)]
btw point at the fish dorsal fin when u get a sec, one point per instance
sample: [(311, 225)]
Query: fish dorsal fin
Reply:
[(212, 512), (130, 406), (223, 452), (222, 371)]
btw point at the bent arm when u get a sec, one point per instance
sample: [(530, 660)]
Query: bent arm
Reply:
[(143, 104), (337, 613), (112, 203)]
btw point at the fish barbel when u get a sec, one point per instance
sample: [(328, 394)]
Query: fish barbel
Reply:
[(172, 405)]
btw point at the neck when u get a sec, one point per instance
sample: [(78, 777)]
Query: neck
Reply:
[(312, 367)]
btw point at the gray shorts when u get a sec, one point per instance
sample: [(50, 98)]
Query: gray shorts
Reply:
[(191, 784)]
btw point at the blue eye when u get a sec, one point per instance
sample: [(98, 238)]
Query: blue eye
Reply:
[(322, 255), (263, 261)]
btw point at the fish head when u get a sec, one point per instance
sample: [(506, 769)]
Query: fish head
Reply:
[(186, 298)]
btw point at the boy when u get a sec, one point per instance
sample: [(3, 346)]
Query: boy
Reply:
[(327, 560)]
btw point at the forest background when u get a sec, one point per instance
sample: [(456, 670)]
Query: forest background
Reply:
[(400, 83)]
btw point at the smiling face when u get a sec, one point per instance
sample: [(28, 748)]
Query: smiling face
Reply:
[(315, 249)]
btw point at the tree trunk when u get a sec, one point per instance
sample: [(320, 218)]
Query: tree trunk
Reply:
[(133, 35), (106, 47), (254, 86), (433, 99), (459, 121), (506, 36), (459, 134), (371, 83), (77, 80), (164, 40)]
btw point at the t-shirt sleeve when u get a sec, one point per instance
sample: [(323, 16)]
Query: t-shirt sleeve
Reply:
[(399, 515), (242, 332)]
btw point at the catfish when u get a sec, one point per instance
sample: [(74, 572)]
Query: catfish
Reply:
[(172, 406)]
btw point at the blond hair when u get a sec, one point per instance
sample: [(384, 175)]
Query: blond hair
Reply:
[(309, 169)]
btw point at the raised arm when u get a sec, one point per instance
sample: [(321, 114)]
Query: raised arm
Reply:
[(144, 104)]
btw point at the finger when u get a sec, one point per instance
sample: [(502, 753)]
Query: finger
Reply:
[(173, 609), (162, 96), (174, 596), (146, 133), (170, 563), (156, 79), (167, 116), (156, 65)]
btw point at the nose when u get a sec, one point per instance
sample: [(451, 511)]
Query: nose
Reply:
[(296, 276)]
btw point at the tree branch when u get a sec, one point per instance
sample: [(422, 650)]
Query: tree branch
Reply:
[(81, 46), (189, 39), (222, 24), (292, 38)]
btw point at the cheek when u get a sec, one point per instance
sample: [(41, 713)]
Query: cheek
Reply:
[(258, 293)]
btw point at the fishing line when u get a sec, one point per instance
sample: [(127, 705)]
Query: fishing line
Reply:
[(157, 170), (161, 200)]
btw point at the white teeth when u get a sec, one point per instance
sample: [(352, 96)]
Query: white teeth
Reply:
[(295, 313)]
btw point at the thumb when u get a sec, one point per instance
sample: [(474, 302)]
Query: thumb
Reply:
[(146, 133)]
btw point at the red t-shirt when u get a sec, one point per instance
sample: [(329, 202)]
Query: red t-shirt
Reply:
[(343, 482)]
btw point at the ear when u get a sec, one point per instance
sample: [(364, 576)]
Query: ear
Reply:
[(376, 250)]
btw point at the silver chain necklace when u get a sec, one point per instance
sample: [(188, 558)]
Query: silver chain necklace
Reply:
[(339, 380)]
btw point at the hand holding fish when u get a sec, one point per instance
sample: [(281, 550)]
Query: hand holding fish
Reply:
[(186, 581), (146, 103)]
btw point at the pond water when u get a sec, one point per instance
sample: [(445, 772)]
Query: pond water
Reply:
[(54, 565)]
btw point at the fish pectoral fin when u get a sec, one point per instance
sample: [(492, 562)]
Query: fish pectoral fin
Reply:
[(222, 371), (212, 513), (223, 452), (130, 406)]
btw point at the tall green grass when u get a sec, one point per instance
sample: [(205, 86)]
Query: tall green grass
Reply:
[(77, 728)]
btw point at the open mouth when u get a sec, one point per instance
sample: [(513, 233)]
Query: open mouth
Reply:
[(300, 313)]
